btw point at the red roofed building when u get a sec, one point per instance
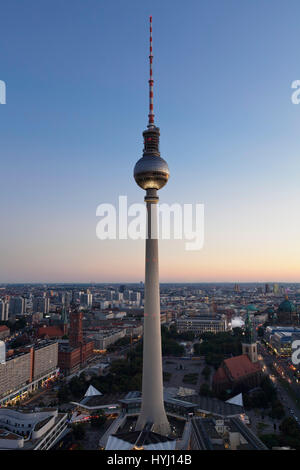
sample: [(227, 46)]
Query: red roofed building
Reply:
[(237, 373), (50, 332), (76, 352), (4, 332), (70, 359)]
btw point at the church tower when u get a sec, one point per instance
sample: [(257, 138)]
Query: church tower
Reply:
[(249, 345), (64, 320)]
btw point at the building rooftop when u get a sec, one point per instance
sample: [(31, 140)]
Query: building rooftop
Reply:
[(214, 406), (211, 434), (128, 438), (51, 331), (4, 434), (3, 328), (101, 400), (33, 421), (286, 306), (240, 366), (143, 438)]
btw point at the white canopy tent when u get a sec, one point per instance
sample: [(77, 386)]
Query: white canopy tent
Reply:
[(92, 392), (237, 400)]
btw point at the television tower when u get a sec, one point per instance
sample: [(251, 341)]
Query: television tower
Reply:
[(151, 173)]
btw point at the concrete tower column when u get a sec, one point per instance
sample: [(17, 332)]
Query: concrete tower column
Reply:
[(151, 173), (152, 392)]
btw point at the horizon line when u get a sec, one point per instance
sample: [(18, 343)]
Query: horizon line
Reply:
[(139, 282)]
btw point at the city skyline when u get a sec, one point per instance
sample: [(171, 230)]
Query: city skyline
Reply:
[(167, 319), (75, 103)]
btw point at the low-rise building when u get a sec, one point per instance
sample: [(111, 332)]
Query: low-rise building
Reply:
[(20, 430), (280, 339), (50, 332), (202, 324), (223, 434), (4, 332), (71, 358), (103, 339)]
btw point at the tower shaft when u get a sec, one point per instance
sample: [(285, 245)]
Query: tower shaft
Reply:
[(152, 410)]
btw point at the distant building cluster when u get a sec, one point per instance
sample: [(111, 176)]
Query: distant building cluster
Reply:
[(48, 332)]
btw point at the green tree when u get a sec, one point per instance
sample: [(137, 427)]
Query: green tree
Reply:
[(206, 372), (63, 394), (214, 360), (215, 347), (77, 386), (289, 427), (277, 411), (268, 388), (270, 440), (260, 332), (78, 431), (98, 419), (205, 390)]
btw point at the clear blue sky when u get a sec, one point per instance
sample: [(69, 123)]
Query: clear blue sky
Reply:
[(76, 75)]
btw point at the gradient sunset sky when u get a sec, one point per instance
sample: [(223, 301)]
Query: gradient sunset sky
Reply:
[(71, 132)]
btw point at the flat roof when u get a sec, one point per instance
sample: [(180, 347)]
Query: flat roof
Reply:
[(142, 438), (4, 434), (214, 406), (205, 430), (101, 400)]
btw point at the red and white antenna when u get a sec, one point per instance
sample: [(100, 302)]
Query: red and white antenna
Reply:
[(151, 81)]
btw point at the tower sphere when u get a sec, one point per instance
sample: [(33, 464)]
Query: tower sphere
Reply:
[(151, 172)]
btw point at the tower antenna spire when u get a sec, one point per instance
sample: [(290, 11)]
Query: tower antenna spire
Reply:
[(151, 82)]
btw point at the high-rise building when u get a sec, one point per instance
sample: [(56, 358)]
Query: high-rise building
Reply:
[(27, 369), (86, 300), (75, 333), (267, 289), (4, 309), (16, 306), (118, 296), (41, 304), (2, 352), (276, 289), (135, 297), (76, 296), (67, 299), (151, 173)]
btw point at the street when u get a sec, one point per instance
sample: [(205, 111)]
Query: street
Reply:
[(266, 360)]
